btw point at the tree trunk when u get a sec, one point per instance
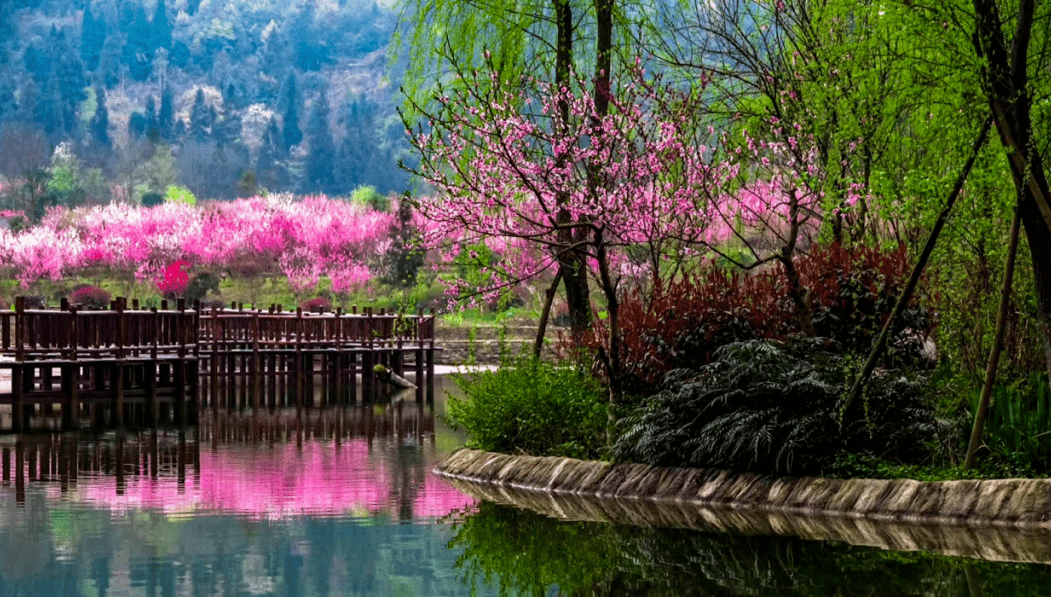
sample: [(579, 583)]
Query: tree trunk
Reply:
[(572, 263), (545, 314), (1006, 82), (994, 352)]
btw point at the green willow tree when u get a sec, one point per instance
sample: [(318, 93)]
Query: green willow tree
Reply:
[(1016, 80)]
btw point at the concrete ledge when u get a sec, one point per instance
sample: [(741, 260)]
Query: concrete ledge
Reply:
[(1004, 519)]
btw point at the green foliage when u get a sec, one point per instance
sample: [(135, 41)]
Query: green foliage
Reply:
[(179, 194), (200, 285), (763, 408), (152, 199), (370, 197), (1018, 428), (531, 407)]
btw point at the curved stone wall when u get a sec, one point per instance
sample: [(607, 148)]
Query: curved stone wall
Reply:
[(1005, 520), (1008, 502)]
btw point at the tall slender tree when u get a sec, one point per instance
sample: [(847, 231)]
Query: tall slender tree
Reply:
[(321, 151), (92, 38), (166, 115), (291, 135), (160, 28)]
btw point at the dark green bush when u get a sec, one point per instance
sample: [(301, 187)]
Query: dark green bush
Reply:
[(531, 407), (763, 408)]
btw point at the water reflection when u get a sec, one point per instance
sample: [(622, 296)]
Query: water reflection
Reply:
[(527, 553), (335, 502), (360, 462)]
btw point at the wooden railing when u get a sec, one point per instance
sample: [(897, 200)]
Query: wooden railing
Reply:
[(121, 332), (71, 334)]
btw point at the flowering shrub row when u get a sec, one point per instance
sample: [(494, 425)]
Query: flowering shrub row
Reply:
[(302, 239)]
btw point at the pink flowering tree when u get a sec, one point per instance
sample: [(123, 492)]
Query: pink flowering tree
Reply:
[(514, 174), (304, 240)]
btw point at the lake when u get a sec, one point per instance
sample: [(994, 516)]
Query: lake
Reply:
[(342, 502)]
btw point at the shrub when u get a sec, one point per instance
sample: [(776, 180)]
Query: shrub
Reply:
[(90, 297), (200, 285), (152, 199), (531, 407), (319, 304), (761, 408), (680, 324)]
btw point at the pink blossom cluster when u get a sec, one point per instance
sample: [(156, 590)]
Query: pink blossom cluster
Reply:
[(646, 183), (511, 171), (301, 238)]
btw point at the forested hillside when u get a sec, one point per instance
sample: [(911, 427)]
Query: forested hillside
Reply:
[(127, 99)]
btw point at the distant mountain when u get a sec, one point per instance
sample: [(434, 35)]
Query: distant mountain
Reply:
[(247, 94)]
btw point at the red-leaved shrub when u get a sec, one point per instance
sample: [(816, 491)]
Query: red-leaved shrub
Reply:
[(318, 304), (850, 293), (90, 297)]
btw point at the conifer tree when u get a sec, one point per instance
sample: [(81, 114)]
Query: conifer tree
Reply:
[(153, 127), (200, 118), (291, 135), (98, 128), (72, 88), (48, 113), (269, 166), (166, 116), (160, 28), (138, 54), (322, 149), (92, 38), (8, 105)]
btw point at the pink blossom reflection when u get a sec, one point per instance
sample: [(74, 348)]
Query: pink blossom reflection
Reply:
[(284, 480)]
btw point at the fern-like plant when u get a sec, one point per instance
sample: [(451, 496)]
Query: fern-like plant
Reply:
[(765, 408)]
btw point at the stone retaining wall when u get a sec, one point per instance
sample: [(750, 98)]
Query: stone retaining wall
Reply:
[(1004, 520), (1006, 502)]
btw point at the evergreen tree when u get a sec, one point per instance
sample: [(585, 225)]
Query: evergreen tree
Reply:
[(200, 118), (92, 38), (291, 135), (153, 127), (166, 116), (322, 149), (138, 54), (72, 88), (227, 130), (270, 171), (357, 145), (8, 30), (98, 128), (8, 105), (28, 96), (48, 113), (37, 62), (160, 28), (137, 124)]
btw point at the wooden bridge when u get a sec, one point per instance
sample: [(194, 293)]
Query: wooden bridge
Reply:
[(143, 366)]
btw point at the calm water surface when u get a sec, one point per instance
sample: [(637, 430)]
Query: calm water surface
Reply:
[(343, 503)]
